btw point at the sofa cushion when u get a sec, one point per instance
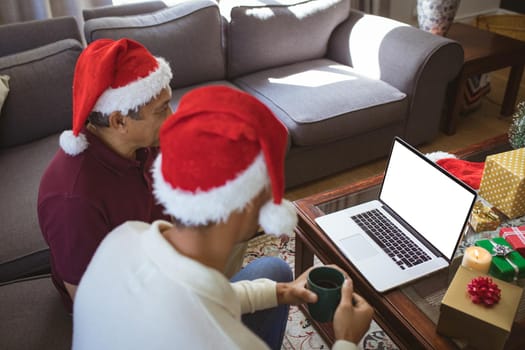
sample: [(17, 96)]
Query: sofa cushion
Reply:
[(39, 102), (188, 35), (24, 250), (263, 36), (23, 36), (33, 316), (314, 99)]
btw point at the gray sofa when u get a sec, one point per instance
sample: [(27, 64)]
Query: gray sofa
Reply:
[(343, 82)]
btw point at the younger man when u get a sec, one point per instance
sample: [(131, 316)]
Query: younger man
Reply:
[(219, 174)]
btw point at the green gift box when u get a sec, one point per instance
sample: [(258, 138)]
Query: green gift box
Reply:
[(507, 264)]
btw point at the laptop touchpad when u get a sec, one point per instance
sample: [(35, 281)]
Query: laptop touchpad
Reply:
[(358, 247)]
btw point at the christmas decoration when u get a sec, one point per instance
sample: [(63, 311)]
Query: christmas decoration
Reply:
[(517, 127), (483, 218), (483, 326), (112, 75), (232, 149), (483, 291), (503, 182), (507, 264)]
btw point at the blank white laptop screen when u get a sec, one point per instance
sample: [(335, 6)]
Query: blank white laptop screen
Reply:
[(434, 204)]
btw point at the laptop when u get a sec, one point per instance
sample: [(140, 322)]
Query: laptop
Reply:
[(412, 229)]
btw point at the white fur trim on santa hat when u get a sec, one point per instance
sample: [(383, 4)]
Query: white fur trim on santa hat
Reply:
[(72, 144), (435, 156), (278, 218), (203, 207), (137, 93)]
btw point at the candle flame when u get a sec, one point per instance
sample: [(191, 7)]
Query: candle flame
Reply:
[(476, 254)]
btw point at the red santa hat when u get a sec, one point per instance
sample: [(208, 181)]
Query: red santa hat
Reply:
[(111, 76), (218, 151), (466, 171)]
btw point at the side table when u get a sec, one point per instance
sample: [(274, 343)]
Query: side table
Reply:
[(484, 52)]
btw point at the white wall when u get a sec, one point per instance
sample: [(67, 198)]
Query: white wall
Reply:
[(404, 10)]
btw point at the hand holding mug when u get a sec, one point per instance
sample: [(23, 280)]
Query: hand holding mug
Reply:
[(326, 282), (353, 315)]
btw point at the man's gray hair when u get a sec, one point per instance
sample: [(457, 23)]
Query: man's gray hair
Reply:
[(102, 120)]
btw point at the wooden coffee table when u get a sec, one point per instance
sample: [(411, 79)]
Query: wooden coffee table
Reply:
[(404, 316), (484, 52)]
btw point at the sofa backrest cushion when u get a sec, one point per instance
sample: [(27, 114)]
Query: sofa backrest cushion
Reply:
[(18, 37), (188, 35), (279, 33), (39, 102), (123, 10)]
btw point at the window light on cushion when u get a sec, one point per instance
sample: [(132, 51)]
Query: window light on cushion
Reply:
[(4, 89)]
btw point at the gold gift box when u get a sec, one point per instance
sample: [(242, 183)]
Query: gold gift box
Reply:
[(483, 218), (478, 326), (503, 182)]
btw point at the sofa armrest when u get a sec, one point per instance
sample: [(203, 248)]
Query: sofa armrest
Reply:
[(416, 62)]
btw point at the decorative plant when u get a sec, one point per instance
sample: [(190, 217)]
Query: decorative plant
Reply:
[(517, 127)]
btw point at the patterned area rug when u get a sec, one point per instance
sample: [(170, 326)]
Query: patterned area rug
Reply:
[(300, 335)]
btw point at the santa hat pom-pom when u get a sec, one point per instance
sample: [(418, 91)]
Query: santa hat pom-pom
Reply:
[(278, 218), (72, 144), (435, 156)]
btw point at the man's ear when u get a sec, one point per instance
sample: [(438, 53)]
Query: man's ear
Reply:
[(117, 121)]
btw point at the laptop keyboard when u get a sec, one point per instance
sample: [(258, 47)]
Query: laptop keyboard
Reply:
[(392, 240)]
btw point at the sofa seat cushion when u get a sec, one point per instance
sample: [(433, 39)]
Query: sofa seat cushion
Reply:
[(321, 101), (24, 250), (188, 35), (33, 108), (33, 316)]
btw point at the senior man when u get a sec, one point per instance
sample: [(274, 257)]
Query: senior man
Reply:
[(100, 177)]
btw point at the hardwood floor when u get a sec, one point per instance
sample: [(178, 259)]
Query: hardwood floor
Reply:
[(479, 125)]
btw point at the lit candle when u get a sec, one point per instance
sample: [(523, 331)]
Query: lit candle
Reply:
[(477, 258)]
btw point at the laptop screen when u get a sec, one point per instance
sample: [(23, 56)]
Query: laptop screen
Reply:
[(430, 200)]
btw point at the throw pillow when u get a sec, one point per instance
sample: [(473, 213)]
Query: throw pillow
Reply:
[(4, 89)]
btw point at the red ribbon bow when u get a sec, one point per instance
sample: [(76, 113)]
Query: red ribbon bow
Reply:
[(483, 291)]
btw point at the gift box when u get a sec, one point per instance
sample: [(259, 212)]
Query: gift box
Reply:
[(477, 325), (483, 218), (503, 182), (507, 264), (515, 236)]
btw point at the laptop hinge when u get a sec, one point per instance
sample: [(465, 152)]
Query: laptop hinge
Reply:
[(416, 234)]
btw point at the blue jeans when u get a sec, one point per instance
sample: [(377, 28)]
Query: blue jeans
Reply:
[(269, 324)]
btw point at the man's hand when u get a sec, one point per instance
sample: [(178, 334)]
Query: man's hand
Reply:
[(353, 315), (296, 293)]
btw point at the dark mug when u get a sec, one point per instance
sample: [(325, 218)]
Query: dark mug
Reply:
[(326, 282)]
